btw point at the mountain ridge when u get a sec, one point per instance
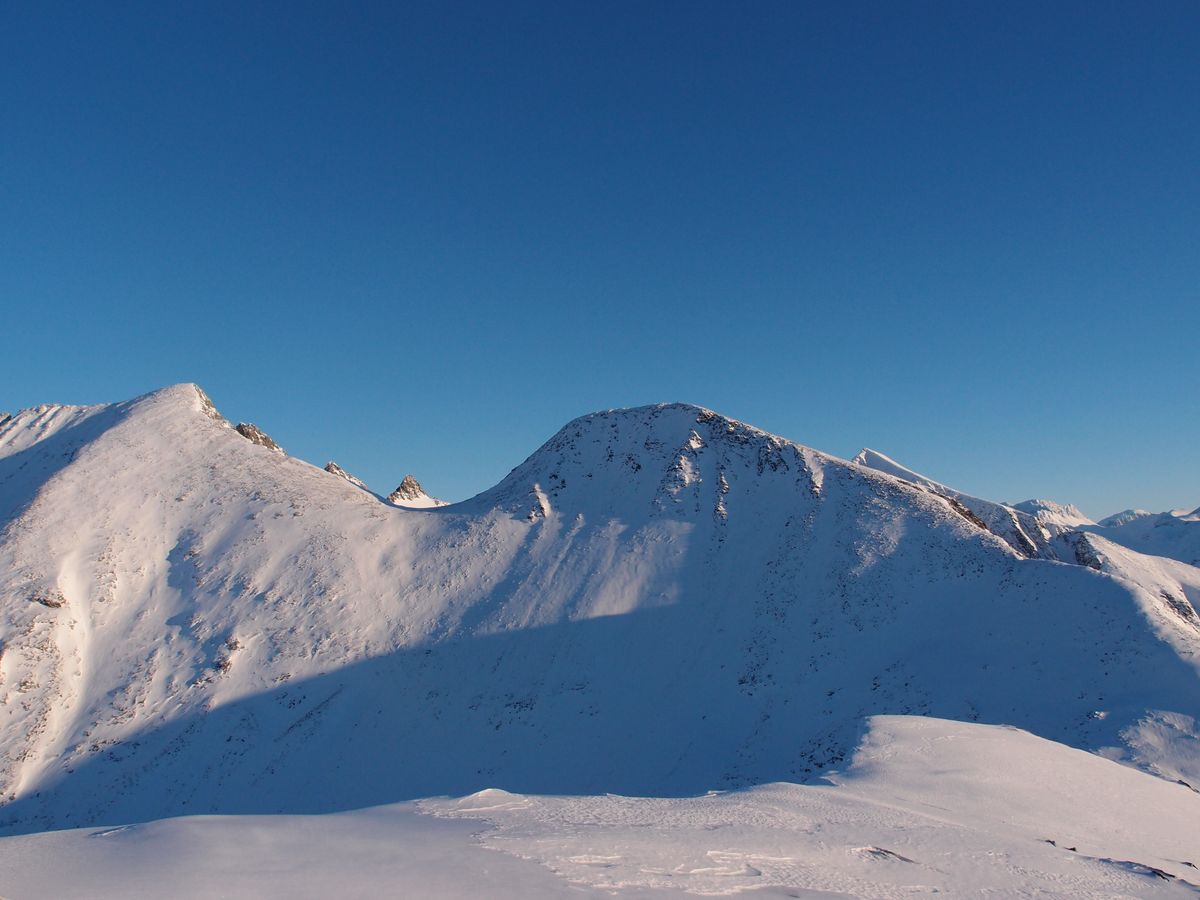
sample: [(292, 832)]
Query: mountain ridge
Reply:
[(726, 603)]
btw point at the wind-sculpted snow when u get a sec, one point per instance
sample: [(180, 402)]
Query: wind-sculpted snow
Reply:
[(659, 601)]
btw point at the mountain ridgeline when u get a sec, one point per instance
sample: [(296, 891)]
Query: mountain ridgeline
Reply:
[(660, 601)]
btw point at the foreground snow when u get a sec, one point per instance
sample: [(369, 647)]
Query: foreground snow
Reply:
[(925, 806)]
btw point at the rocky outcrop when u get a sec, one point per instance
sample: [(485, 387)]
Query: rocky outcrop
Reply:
[(207, 406), (410, 493), (409, 489), (1083, 551), (256, 435), (334, 469)]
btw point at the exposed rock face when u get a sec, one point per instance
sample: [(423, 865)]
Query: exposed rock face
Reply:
[(1085, 553), (207, 406), (334, 469), (409, 489), (4, 417), (256, 435), (50, 599), (410, 493)]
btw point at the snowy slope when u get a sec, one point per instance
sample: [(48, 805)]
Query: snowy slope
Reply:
[(1026, 532), (1031, 526), (659, 601), (924, 805), (1173, 534)]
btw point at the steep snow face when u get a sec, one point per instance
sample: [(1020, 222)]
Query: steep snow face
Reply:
[(1028, 534), (1033, 527), (658, 601), (36, 443)]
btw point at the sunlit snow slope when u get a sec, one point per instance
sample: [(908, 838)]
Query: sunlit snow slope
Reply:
[(659, 601)]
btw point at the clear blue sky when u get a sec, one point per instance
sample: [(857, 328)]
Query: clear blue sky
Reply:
[(422, 237)]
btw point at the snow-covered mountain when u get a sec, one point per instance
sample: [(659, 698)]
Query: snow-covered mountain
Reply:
[(659, 601), (1056, 515), (1051, 530), (1023, 530), (1175, 533)]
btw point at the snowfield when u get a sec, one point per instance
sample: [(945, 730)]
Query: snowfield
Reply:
[(660, 602), (925, 806)]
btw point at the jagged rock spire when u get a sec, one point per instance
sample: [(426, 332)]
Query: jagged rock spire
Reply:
[(256, 435), (410, 493), (409, 489)]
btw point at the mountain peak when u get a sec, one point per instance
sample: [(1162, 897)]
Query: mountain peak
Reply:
[(873, 459), (1048, 512), (676, 460), (410, 494), (1124, 517)]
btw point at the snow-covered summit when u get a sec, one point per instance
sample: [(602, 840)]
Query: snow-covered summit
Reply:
[(667, 459), (1124, 517), (880, 462), (1063, 515)]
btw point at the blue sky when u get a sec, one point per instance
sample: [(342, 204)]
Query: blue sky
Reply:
[(421, 238)]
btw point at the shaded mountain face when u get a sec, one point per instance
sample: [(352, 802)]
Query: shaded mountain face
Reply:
[(659, 601)]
